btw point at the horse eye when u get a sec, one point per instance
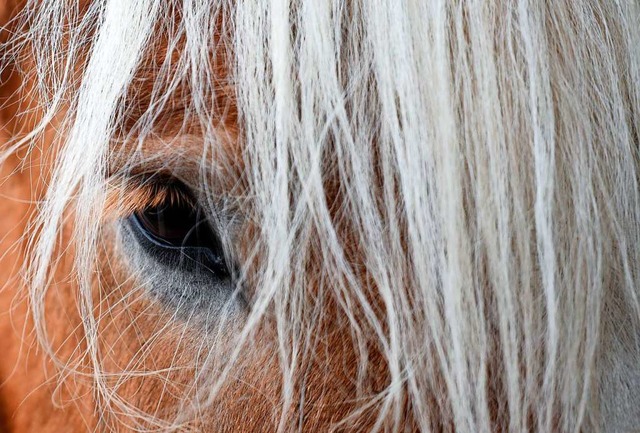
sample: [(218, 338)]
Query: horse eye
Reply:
[(177, 226), (180, 231)]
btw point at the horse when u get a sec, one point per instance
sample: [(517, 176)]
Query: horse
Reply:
[(319, 216)]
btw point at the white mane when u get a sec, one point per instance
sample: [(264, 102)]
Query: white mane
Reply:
[(487, 156)]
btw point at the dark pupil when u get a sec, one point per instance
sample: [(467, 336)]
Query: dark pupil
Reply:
[(180, 226)]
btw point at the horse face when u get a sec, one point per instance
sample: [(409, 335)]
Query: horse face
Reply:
[(320, 216), (157, 338)]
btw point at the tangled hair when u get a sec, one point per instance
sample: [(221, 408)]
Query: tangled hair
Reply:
[(458, 181)]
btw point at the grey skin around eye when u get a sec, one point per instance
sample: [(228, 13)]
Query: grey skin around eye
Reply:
[(180, 278)]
